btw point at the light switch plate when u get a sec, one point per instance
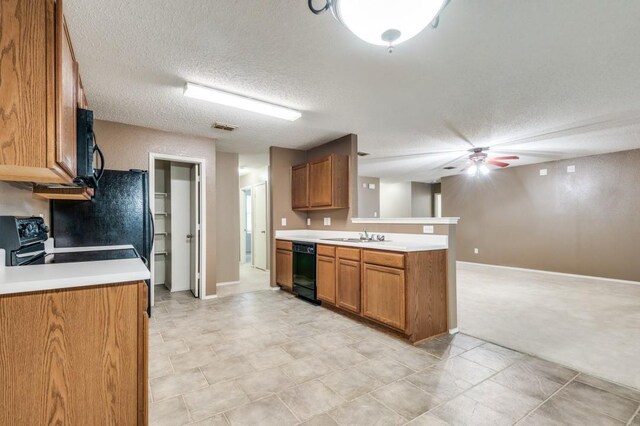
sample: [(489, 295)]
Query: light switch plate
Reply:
[(476, 251), (372, 186), (364, 185), (308, 221), (543, 172), (284, 221), (427, 229), (571, 169)]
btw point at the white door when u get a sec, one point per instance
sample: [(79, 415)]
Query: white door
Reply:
[(180, 226), (194, 232), (260, 226)]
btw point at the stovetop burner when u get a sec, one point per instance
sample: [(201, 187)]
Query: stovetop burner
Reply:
[(91, 256)]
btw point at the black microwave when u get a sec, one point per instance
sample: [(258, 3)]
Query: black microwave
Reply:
[(88, 151)]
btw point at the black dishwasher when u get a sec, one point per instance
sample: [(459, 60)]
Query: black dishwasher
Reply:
[(304, 270)]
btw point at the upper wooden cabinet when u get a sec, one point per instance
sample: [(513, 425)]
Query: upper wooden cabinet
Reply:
[(300, 186), (67, 98), (38, 93), (321, 184)]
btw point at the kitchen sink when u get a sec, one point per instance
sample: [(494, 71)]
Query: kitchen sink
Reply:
[(349, 240)]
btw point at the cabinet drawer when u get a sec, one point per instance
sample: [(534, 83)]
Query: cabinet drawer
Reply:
[(329, 251), (348, 253), (393, 260), (284, 245)]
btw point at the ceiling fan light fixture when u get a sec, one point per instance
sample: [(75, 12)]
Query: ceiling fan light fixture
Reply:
[(472, 170), (384, 22), (484, 169)]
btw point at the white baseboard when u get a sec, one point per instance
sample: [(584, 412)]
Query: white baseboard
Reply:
[(227, 283), (562, 274), (211, 296), (454, 330)]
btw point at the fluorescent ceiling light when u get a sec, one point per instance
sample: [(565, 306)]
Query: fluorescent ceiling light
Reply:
[(216, 96)]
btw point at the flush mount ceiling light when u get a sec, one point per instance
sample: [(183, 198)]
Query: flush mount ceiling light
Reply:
[(384, 22), (216, 96)]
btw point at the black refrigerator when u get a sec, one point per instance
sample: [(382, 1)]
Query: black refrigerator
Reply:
[(118, 214)]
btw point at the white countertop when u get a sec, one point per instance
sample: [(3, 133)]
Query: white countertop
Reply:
[(393, 242), (54, 276)]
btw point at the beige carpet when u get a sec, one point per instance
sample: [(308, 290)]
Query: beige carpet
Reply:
[(587, 324)]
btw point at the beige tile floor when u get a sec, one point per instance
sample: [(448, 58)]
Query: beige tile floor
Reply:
[(265, 358), (590, 325), (251, 279)]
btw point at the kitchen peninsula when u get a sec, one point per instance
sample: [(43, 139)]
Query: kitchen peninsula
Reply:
[(399, 283)]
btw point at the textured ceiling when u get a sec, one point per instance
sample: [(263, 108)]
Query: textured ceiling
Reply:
[(554, 79)]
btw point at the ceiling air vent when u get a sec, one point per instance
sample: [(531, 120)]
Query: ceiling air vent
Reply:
[(363, 154), (224, 126), (449, 168)]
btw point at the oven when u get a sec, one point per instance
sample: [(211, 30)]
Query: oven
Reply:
[(304, 270)]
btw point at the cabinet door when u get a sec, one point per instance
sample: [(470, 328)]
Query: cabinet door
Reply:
[(320, 183), (25, 64), (300, 187), (326, 279), (348, 285), (384, 295), (67, 97), (284, 268)]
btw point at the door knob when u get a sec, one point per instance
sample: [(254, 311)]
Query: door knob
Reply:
[(189, 235)]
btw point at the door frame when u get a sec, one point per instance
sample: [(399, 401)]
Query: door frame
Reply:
[(153, 156)]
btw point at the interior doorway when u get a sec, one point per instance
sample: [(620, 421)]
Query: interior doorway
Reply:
[(246, 225), (177, 201), (260, 241)]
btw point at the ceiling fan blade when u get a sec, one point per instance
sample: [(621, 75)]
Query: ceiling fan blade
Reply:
[(497, 163), (506, 157), (595, 124), (419, 154), (457, 132)]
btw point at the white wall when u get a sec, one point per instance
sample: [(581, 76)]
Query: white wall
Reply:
[(395, 199)]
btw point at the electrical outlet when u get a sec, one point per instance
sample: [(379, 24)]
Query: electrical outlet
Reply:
[(571, 169), (476, 251), (372, 186), (427, 229), (543, 172), (283, 222), (375, 214), (327, 221), (308, 221)]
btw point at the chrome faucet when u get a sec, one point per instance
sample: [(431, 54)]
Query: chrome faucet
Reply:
[(371, 237)]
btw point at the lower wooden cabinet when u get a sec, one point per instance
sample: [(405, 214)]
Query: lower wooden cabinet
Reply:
[(284, 268), (326, 279), (383, 297), (75, 356), (348, 285)]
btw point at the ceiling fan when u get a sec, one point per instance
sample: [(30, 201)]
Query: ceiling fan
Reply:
[(479, 161)]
